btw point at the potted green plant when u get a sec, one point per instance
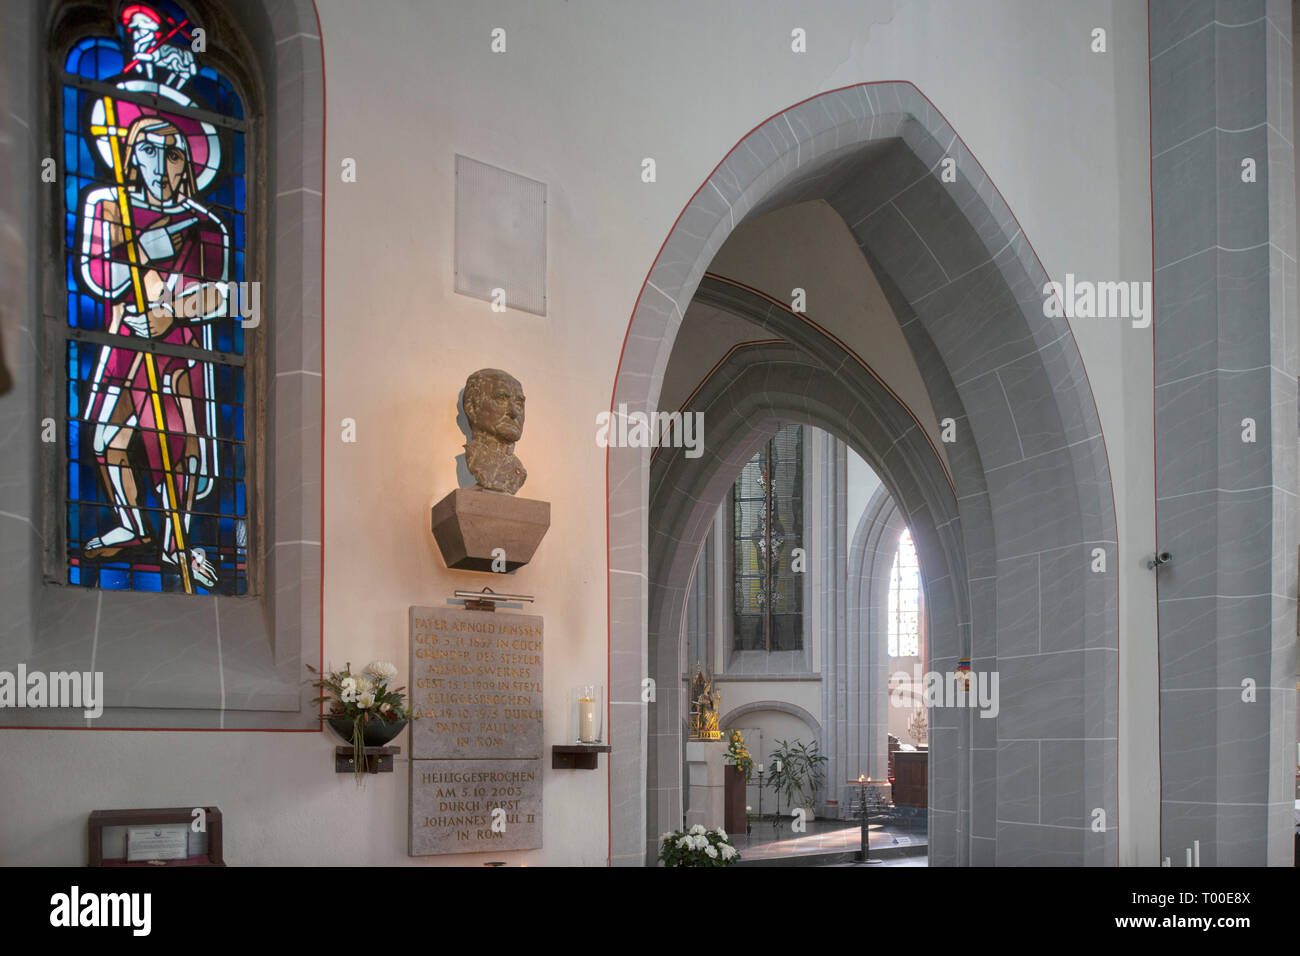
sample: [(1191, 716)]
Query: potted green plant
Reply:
[(802, 773)]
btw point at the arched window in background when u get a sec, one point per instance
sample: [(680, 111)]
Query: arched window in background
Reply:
[(905, 600), (767, 525), (154, 203)]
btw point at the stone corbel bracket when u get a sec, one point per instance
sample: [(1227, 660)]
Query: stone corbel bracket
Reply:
[(476, 528)]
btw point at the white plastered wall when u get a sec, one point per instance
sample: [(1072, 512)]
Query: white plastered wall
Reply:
[(584, 93)]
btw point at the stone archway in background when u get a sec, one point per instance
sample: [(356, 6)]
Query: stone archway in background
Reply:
[(866, 668), (1031, 480)]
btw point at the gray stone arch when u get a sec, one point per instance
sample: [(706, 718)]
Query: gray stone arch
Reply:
[(780, 706), (232, 663), (1029, 470), (756, 390), (863, 690)]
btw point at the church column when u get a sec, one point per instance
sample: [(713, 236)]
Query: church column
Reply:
[(1223, 185), (832, 515)]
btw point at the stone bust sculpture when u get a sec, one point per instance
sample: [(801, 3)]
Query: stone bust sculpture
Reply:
[(494, 405)]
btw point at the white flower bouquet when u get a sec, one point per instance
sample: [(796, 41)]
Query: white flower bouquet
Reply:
[(362, 707), (697, 847)]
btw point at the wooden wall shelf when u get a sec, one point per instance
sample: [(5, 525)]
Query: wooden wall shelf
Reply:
[(378, 759), (577, 756)]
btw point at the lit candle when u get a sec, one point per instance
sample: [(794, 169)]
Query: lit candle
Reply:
[(587, 720), (760, 768), (861, 778), (778, 766)]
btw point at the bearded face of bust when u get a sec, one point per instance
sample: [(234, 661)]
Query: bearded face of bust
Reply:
[(494, 405)]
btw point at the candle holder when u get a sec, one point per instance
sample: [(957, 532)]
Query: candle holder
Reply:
[(587, 714), (777, 779), (866, 798)]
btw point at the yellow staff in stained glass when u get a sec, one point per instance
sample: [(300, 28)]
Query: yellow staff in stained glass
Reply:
[(172, 504)]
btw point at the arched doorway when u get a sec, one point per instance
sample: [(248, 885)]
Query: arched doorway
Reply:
[(1030, 481)]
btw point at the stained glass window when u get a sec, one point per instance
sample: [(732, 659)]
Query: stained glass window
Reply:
[(767, 503), (153, 148), (905, 600)]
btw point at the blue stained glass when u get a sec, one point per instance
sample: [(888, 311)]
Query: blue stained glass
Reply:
[(73, 63), (70, 100), (148, 581), (104, 59), (177, 15), (88, 310), (93, 56), (88, 516), (114, 578), (85, 162), (108, 63), (70, 184)]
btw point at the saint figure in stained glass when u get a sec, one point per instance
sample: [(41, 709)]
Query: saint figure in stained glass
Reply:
[(153, 256)]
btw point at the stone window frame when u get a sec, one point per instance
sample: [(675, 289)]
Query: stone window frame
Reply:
[(768, 496), (179, 661), (745, 664)]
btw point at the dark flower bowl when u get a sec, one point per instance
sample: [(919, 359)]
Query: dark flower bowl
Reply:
[(377, 732)]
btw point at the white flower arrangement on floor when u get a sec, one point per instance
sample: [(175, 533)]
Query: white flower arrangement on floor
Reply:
[(697, 847)]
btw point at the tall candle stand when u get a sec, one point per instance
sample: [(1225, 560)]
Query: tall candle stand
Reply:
[(864, 855)]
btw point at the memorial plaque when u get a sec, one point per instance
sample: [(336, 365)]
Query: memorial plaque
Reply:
[(476, 682), (475, 806), (476, 749)]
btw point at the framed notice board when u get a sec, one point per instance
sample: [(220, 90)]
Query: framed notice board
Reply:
[(170, 836)]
